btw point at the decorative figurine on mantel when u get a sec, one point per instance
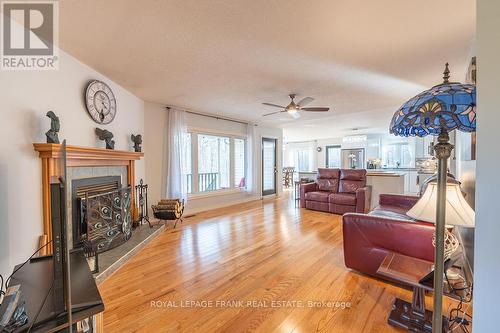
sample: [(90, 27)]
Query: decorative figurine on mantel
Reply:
[(107, 136), (55, 126), (137, 140)]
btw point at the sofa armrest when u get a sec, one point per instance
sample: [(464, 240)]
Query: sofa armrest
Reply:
[(403, 201), (363, 199), (304, 188), (368, 239)]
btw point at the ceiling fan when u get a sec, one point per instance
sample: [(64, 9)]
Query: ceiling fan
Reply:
[(293, 108)]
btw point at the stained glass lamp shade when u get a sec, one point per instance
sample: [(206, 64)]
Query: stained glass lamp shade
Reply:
[(449, 106)]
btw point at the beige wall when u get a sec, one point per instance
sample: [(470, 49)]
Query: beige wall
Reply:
[(155, 127), (487, 245), (25, 98), (155, 123), (465, 167)]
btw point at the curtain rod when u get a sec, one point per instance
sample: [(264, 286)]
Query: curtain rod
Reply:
[(212, 116)]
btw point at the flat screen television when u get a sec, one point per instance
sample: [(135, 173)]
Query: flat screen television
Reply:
[(62, 276)]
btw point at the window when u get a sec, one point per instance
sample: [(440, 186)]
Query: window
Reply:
[(333, 156), (239, 163), (213, 162), (304, 159), (398, 155)]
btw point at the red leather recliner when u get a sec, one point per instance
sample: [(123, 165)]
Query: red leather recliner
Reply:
[(369, 237), (337, 191)]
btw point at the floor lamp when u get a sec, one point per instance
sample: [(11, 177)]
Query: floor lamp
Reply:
[(437, 111)]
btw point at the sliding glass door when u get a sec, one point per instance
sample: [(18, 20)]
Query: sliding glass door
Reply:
[(268, 166)]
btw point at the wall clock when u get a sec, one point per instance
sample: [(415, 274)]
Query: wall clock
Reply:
[(101, 102)]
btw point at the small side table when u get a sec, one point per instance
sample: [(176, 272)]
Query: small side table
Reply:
[(296, 188), (408, 270)]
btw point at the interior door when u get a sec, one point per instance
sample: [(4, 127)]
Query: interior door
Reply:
[(269, 167)]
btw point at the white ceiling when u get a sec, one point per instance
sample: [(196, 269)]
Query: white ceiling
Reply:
[(361, 58)]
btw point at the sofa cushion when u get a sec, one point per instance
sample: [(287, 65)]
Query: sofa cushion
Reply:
[(328, 179), (328, 173), (391, 208), (316, 205), (341, 209), (331, 185), (391, 214), (321, 196), (342, 199), (351, 180)]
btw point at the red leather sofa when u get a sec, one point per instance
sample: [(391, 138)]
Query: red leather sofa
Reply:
[(369, 237), (337, 191)]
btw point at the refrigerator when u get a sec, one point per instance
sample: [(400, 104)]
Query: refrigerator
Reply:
[(353, 158)]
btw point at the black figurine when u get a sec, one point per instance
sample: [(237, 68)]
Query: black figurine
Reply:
[(137, 140), (55, 126), (107, 136)]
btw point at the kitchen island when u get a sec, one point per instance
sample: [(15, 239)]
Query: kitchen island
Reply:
[(385, 182)]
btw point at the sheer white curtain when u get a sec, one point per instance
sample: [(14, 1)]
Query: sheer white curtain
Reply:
[(251, 161), (176, 155)]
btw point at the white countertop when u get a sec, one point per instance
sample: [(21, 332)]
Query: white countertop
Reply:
[(385, 174)]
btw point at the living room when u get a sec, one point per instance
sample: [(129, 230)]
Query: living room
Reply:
[(199, 166)]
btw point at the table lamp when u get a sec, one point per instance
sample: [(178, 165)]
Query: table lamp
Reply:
[(458, 213), (437, 111)]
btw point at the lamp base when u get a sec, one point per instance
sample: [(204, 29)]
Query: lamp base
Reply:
[(403, 315), (451, 243)]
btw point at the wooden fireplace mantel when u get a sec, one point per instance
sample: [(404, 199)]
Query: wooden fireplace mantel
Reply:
[(50, 154)]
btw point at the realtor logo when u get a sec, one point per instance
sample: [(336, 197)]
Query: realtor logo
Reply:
[(29, 31)]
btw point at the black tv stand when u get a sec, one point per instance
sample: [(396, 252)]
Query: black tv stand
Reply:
[(36, 279)]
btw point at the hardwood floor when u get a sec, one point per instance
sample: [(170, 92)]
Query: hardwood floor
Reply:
[(262, 251)]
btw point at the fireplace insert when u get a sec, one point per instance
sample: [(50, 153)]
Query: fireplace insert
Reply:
[(101, 212)]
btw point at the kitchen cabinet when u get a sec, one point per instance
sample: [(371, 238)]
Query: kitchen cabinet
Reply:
[(413, 186), (423, 146), (410, 182), (423, 176), (384, 182)]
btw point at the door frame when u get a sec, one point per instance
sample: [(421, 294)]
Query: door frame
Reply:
[(275, 141)]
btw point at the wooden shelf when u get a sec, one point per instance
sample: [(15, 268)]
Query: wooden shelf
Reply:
[(53, 150)]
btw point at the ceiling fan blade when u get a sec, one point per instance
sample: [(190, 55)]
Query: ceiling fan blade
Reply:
[(275, 105), (295, 115), (268, 114), (304, 101), (315, 109)]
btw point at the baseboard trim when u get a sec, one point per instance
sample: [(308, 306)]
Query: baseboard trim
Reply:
[(221, 205)]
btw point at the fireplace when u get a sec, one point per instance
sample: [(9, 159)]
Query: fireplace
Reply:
[(109, 218), (81, 163), (102, 212), (80, 189)]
